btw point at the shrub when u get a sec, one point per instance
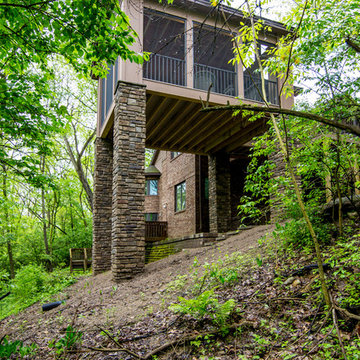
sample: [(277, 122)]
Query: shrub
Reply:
[(29, 280), (206, 304)]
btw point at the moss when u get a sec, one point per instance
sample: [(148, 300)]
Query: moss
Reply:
[(157, 252)]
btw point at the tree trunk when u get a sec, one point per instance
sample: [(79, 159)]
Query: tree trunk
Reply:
[(44, 221), (284, 149), (6, 225), (79, 169)]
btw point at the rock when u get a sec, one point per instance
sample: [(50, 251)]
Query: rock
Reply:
[(289, 280)]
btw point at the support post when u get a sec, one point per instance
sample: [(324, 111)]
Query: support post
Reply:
[(128, 222), (102, 206), (219, 192)]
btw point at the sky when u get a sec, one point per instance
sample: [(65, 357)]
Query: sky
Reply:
[(274, 9)]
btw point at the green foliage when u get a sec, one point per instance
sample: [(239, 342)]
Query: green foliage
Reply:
[(346, 262), (294, 232), (32, 283), (68, 342), (9, 349), (205, 305), (86, 34)]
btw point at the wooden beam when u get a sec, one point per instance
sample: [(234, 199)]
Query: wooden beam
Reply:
[(194, 131), (167, 148), (151, 103), (166, 134), (230, 130), (218, 124), (161, 109), (165, 121), (170, 142), (244, 138)]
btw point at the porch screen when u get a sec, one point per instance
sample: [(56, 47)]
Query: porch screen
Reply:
[(212, 52), (164, 38), (252, 78)]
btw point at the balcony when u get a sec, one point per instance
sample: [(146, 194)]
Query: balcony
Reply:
[(155, 230), (252, 87), (222, 81), (165, 69)]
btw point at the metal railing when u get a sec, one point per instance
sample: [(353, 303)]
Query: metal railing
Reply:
[(223, 81), (166, 69), (252, 86), (155, 230)]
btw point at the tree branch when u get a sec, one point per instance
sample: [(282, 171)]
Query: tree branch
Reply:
[(352, 129), (352, 44)]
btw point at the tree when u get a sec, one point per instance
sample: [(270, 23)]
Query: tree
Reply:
[(318, 45), (87, 34)]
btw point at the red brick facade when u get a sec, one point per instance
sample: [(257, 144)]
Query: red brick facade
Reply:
[(181, 168), (212, 193)]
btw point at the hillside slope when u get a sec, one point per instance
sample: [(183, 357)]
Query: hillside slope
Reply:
[(98, 301)]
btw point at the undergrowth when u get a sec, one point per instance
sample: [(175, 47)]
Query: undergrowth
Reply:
[(279, 294), (31, 284)]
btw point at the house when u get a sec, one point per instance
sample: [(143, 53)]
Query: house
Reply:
[(177, 192), (157, 105)]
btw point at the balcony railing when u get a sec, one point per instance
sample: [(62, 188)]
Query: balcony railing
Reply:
[(223, 81), (155, 230), (166, 69), (252, 86)]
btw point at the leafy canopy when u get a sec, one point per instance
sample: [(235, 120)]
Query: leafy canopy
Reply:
[(87, 34)]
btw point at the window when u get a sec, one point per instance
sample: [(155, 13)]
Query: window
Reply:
[(164, 38), (180, 197), (213, 49), (151, 217), (252, 77), (151, 187), (174, 154), (206, 188)]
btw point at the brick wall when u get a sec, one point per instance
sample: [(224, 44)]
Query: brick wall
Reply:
[(175, 171), (152, 204)]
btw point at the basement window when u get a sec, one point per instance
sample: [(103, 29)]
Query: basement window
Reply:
[(180, 197), (151, 187), (151, 217)]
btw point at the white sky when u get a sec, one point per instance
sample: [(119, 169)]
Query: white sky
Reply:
[(274, 9)]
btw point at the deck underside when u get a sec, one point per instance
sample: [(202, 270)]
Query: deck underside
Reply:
[(177, 124)]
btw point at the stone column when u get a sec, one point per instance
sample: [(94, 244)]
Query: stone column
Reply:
[(102, 206), (128, 222), (219, 192)]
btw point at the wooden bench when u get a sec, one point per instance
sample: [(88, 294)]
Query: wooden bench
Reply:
[(80, 259)]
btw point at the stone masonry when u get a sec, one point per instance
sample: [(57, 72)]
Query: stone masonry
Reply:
[(219, 192), (128, 223), (102, 206)]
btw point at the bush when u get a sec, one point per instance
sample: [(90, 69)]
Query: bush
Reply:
[(295, 233), (32, 283), (206, 304), (29, 280)]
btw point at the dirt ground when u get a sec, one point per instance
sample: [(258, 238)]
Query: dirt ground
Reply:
[(98, 301)]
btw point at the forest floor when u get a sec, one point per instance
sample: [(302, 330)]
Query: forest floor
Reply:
[(98, 301), (275, 310)]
